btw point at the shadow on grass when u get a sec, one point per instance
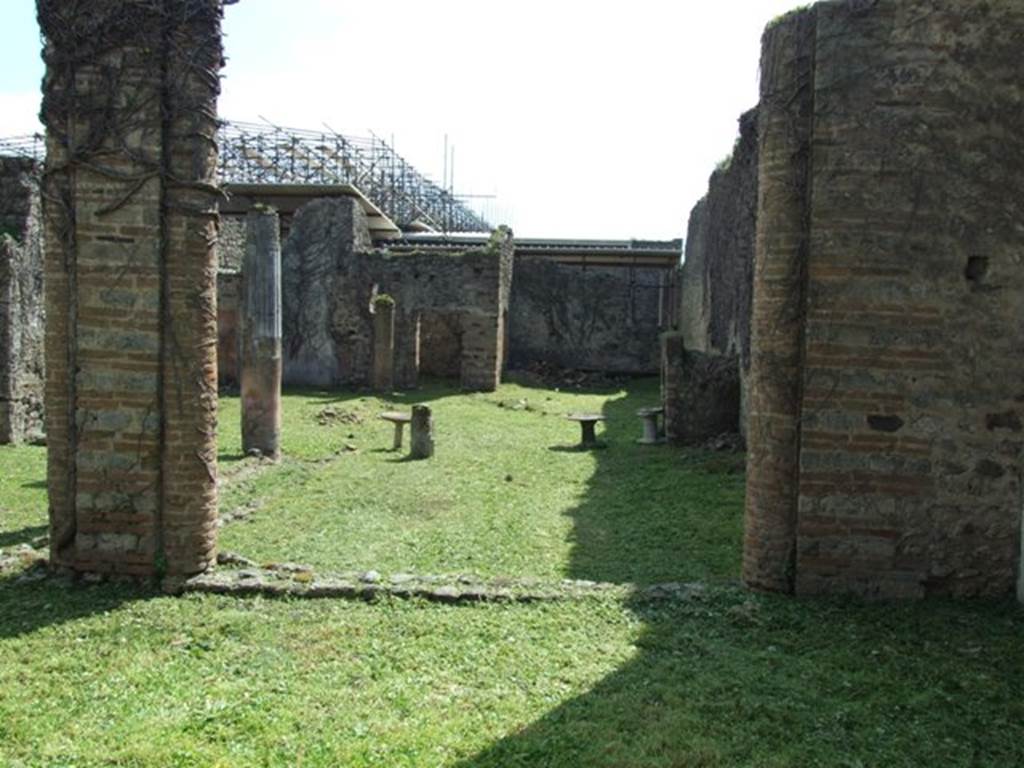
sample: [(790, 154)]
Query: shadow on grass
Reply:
[(735, 678), (653, 513), (728, 678), (326, 397), (28, 606), (626, 381), (34, 484), (22, 536), (429, 390)]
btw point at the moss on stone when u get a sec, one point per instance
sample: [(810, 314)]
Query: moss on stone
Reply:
[(782, 17)]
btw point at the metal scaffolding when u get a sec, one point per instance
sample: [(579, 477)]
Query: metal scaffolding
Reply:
[(253, 153), (32, 146), (266, 154)]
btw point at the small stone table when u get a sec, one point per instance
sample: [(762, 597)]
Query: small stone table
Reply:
[(399, 420), (587, 422), (652, 434)]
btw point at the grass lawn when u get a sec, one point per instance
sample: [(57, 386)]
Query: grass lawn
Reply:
[(505, 494), (22, 494), (109, 675)]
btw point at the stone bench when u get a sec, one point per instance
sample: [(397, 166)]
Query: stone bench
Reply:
[(399, 420)]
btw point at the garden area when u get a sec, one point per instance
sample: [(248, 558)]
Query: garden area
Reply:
[(109, 674)]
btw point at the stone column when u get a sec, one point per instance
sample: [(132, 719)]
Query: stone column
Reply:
[(422, 438), (260, 351), (383, 343), (777, 336), (130, 210)]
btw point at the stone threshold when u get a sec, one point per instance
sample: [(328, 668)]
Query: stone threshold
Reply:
[(243, 578)]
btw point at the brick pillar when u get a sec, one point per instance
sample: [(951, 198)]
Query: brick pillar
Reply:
[(260, 356), (384, 344), (130, 223), (787, 105)]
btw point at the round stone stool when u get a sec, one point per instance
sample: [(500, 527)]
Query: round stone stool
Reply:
[(587, 422), (652, 432)]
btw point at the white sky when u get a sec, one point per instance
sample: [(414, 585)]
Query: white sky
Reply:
[(586, 118)]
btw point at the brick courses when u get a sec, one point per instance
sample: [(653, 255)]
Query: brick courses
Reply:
[(885, 430), (130, 223)]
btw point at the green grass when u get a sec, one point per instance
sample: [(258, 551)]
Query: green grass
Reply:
[(22, 494), (109, 675), (505, 494)]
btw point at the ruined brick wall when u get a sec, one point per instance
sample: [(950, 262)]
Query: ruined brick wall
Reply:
[(886, 406), (592, 318), (331, 273), (130, 221), (716, 278), (716, 282), (230, 243), (21, 302), (471, 285), (229, 297), (700, 392), (316, 257), (693, 291), (230, 252), (440, 344)]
